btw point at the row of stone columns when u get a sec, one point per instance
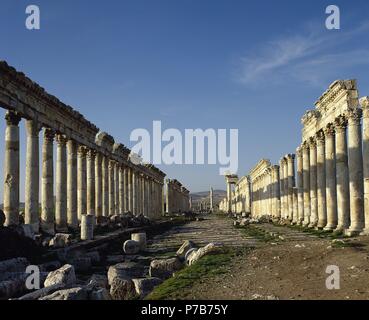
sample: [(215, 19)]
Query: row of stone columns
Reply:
[(332, 178), (86, 181), (177, 197)]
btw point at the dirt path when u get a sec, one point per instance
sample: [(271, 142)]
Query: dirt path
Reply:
[(292, 267)]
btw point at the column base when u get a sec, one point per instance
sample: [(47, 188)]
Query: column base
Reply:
[(365, 232), (352, 233), (312, 224), (321, 224), (330, 227)]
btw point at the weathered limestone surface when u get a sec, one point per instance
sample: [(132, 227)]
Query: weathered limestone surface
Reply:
[(93, 173), (332, 169)]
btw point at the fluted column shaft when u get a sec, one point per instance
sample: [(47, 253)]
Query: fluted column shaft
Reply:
[(72, 215), (61, 184), (32, 175), (11, 169), (91, 182), (116, 188), (355, 163), (111, 188), (300, 185), (98, 185), (121, 189), (291, 185), (126, 191), (306, 182), (105, 186), (134, 192), (365, 106), (81, 182), (321, 180), (313, 184), (47, 183), (130, 189), (342, 175), (330, 166)]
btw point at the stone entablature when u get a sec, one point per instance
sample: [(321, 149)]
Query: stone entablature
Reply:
[(93, 173), (30, 101), (341, 97)]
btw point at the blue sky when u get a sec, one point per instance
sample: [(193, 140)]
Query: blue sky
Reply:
[(252, 65)]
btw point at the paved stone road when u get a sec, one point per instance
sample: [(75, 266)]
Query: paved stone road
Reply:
[(212, 229)]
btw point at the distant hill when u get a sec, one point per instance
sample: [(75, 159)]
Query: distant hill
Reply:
[(203, 196)]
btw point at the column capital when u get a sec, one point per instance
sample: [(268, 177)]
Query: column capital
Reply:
[(354, 116), (32, 127), (299, 151), (12, 118), (364, 102), (305, 146), (82, 150), (329, 130), (340, 124), (61, 139), (320, 138), (91, 154), (312, 142), (290, 157), (49, 135)]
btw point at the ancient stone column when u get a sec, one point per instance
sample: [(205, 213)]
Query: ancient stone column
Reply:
[(61, 185), (32, 175), (81, 182), (98, 185), (342, 175), (300, 185), (313, 183), (355, 163), (306, 182), (321, 188), (116, 188), (125, 188), (121, 189), (87, 226), (143, 192), (105, 186), (130, 190), (365, 106), (11, 169), (111, 188), (47, 183), (291, 184), (282, 191), (229, 198), (139, 193), (330, 167), (72, 214), (277, 205), (134, 192), (91, 182)]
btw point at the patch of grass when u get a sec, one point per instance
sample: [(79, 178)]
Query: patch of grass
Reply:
[(257, 233), (320, 233), (207, 267)]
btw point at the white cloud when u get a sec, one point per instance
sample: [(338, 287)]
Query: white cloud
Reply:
[(310, 56)]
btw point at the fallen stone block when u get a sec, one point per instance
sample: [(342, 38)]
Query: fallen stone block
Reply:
[(131, 247), (164, 268), (210, 248), (78, 293), (126, 270), (140, 238), (65, 275), (114, 259), (81, 264), (100, 294), (60, 240), (99, 280), (145, 285), (122, 289), (187, 245)]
